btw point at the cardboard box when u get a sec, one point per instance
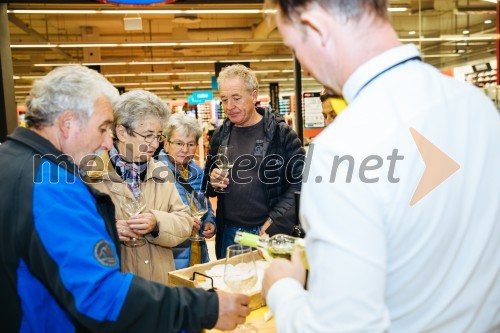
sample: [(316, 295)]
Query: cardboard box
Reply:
[(184, 277)]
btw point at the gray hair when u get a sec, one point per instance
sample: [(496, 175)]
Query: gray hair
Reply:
[(242, 72), (137, 105), (74, 87), (184, 124), (346, 9)]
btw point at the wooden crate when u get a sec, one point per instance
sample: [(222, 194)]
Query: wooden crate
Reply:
[(184, 277)]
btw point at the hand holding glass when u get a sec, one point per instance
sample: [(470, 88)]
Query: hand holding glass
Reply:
[(224, 161), (133, 206), (198, 206)]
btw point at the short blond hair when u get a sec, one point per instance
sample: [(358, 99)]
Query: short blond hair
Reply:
[(242, 72)]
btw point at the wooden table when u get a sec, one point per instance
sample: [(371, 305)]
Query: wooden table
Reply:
[(256, 318)]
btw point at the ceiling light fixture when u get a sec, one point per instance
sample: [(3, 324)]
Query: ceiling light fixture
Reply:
[(141, 11), (142, 44), (165, 62)]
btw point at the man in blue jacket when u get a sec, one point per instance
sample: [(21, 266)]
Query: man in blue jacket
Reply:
[(59, 249)]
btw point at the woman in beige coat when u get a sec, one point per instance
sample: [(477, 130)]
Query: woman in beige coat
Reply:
[(128, 170)]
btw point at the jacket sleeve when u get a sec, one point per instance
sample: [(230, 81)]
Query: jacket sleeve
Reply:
[(175, 222), (294, 163), (75, 259), (212, 154)]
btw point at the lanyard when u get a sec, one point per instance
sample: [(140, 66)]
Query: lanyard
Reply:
[(384, 71)]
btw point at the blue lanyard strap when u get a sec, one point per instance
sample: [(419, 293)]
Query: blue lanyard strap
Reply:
[(386, 70)]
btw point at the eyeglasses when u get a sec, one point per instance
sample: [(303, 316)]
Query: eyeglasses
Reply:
[(151, 137), (180, 144)]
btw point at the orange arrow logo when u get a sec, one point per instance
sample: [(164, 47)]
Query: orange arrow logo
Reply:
[(438, 166)]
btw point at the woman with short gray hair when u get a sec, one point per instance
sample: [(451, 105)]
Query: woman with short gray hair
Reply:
[(182, 133), (147, 237)]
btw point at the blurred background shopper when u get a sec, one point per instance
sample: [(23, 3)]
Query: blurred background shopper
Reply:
[(332, 105), (59, 247), (403, 235)]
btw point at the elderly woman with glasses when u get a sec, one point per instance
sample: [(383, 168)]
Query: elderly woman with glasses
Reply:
[(182, 134), (149, 233)]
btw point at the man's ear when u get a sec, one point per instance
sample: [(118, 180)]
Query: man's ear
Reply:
[(318, 21), (255, 95), (65, 121)]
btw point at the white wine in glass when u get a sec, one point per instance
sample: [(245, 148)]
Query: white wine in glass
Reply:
[(240, 275), (133, 206), (225, 162), (198, 206)]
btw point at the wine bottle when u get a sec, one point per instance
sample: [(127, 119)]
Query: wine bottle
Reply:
[(277, 246), (297, 230)]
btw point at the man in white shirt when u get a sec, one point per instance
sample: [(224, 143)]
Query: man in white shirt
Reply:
[(401, 204)]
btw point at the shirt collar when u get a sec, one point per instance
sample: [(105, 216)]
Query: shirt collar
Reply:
[(374, 67)]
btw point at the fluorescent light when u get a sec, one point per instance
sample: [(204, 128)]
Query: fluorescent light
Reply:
[(466, 32), (488, 21), (398, 9), (164, 62), (276, 60), (139, 44), (141, 11), (442, 55), (413, 32), (52, 11)]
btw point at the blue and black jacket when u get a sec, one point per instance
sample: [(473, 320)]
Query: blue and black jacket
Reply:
[(59, 255)]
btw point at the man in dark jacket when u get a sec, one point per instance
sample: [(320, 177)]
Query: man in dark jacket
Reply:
[(59, 249), (268, 164)]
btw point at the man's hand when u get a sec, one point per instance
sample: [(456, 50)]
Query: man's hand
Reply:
[(266, 225), (233, 309), (219, 179), (282, 268), (208, 230), (142, 224)]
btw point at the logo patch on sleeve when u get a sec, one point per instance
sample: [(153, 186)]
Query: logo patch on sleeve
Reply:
[(104, 254)]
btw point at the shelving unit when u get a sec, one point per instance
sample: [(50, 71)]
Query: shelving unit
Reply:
[(483, 76)]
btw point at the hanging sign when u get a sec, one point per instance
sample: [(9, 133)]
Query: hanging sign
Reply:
[(312, 107)]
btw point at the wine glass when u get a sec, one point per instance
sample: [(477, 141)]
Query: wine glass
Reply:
[(132, 206), (198, 206), (240, 275), (224, 161)]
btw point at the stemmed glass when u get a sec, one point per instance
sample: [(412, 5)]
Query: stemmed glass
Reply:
[(133, 206), (240, 275), (224, 161), (198, 206)]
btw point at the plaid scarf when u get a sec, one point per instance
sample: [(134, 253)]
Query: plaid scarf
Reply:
[(130, 171)]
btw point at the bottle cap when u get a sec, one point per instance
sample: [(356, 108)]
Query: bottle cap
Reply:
[(246, 238)]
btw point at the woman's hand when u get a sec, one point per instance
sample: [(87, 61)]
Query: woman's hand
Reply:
[(196, 224), (125, 234), (208, 230), (142, 224)]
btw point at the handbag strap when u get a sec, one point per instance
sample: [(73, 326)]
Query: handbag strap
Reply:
[(184, 183)]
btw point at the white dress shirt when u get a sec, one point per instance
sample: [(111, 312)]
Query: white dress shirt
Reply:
[(378, 264)]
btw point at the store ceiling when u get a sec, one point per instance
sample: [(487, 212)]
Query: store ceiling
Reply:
[(185, 64)]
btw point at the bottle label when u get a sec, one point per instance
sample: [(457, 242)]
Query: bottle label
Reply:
[(248, 239)]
